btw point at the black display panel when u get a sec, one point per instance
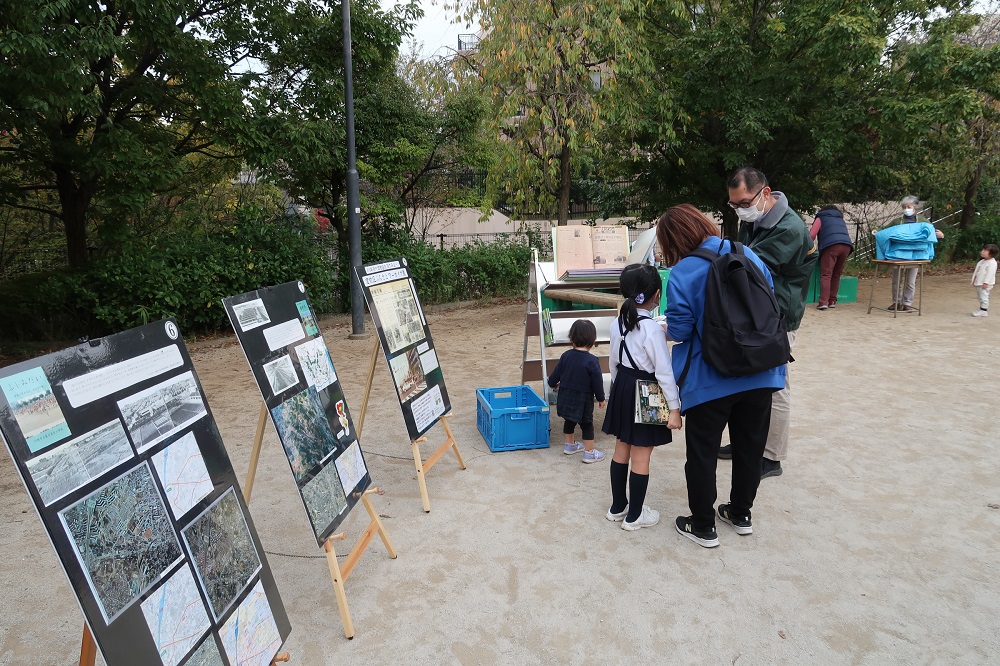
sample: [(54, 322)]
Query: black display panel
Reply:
[(407, 344), (277, 329), (120, 454)]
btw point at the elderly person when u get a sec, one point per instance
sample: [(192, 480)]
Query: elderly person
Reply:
[(903, 301)]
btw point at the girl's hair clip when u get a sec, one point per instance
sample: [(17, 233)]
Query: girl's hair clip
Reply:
[(639, 299)]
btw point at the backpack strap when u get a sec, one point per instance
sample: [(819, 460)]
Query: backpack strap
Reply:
[(624, 347)]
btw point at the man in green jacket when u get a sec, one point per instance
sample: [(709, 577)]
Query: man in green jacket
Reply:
[(781, 239)]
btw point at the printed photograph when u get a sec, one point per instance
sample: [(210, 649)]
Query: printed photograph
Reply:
[(207, 654), (35, 408), (250, 635), (123, 538), (324, 498), (223, 552), (59, 471), (176, 616), (314, 359), (251, 314), (351, 467), (183, 475), (281, 374), (408, 373), (304, 431), (156, 413), (308, 320), (398, 314)]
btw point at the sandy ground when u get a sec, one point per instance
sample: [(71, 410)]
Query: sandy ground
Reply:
[(877, 546)]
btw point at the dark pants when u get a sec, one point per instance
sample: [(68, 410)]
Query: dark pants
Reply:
[(569, 427), (748, 415), (831, 265)]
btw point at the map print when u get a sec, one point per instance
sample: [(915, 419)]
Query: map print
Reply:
[(182, 473), (60, 471), (156, 413), (207, 654), (250, 635), (351, 467), (223, 552), (398, 313), (314, 359), (176, 616), (304, 431), (324, 498), (124, 539), (35, 408)]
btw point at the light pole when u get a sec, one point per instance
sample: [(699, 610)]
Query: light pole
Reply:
[(353, 195)]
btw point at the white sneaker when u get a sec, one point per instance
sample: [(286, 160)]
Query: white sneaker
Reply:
[(980, 313), (592, 456), (617, 517), (647, 518), (575, 447)]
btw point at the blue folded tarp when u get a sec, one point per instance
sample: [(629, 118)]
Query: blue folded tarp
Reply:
[(906, 242)]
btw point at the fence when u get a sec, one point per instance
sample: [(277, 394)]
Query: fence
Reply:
[(539, 238)]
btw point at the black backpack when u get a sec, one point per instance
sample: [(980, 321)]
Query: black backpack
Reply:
[(744, 330)]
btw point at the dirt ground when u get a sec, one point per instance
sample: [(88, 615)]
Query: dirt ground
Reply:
[(878, 545)]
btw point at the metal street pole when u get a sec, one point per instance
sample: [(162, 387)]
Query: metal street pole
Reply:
[(353, 194)]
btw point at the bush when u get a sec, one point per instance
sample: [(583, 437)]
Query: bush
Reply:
[(963, 245)]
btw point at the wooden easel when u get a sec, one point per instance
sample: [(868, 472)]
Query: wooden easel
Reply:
[(338, 573), (423, 466)]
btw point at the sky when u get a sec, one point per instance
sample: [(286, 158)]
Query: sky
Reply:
[(434, 34)]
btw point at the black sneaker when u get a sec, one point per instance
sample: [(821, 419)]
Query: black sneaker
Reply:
[(704, 538), (726, 452), (741, 525), (769, 468)]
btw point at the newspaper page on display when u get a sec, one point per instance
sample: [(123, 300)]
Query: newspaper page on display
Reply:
[(278, 331), (406, 341), (116, 446)]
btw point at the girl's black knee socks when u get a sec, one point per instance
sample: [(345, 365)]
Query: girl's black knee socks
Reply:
[(637, 484), (619, 479)]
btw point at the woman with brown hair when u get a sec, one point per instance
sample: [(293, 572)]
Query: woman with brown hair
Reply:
[(709, 400)]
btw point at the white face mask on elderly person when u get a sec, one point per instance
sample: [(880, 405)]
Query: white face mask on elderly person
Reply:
[(908, 211)]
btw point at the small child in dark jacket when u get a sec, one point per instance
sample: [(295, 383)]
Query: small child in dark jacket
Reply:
[(579, 381)]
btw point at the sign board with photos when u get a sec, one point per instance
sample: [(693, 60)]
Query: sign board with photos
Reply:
[(407, 344), (277, 329), (120, 454)]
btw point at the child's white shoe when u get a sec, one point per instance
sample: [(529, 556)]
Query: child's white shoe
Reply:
[(575, 447), (647, 518), (980, 313)]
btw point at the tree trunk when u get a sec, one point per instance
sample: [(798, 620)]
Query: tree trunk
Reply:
[(564, 179), (971, 191), (730, 222), (75, 203)]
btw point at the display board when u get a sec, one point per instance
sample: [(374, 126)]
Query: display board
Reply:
[(297, 379), (407, 344), (119, 452)]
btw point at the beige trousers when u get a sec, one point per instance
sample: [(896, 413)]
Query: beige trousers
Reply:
[(781, 414)]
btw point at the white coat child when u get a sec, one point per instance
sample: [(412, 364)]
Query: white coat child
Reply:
[(985, 276)]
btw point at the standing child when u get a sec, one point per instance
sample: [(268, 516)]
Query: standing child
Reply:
[(580, 381), (638, 351), (985, 276)]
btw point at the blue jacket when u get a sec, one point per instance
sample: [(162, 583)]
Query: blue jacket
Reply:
[(833, 229), (685, 314), (906, 242)]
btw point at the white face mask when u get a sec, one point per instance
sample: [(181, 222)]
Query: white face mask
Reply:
[(751, 214), (908, 212)]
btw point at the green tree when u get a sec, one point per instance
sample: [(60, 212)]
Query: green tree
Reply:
[(101, 101), (806, 91), (550, 67)]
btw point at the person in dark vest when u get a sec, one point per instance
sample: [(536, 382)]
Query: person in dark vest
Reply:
[(834, 247)]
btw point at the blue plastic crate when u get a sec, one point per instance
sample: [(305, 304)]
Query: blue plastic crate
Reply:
[(512, 418)]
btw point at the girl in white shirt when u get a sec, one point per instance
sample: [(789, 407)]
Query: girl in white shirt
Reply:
[(638, 350), (985, 276)]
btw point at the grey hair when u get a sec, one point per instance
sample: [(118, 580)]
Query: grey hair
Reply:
[(910, 200)]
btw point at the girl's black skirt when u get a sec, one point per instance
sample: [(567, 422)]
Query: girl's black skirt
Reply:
[(619, 420), (575, 406)]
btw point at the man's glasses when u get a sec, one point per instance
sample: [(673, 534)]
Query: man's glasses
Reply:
[(746, 204)]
